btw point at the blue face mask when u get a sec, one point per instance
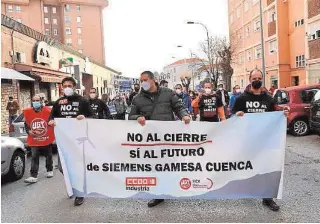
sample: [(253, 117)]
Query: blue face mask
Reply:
[(36, 105)]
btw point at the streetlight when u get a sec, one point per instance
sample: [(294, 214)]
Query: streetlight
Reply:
[(207, 31), (262, 47)]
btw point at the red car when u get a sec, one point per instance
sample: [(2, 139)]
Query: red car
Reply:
[(298, 98)]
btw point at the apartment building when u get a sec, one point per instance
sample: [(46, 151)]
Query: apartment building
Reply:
[(286, 40), (77, 23)]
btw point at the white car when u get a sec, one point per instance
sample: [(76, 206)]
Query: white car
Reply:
[(13, 158)]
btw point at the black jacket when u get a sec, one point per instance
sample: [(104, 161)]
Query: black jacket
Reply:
[(71, 107), (250, 103), (99, 109), (157, 106), (131, 96), (226, 96)]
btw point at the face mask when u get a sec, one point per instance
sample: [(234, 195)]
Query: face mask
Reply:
[(178, 91), (237, 90), (208, 91), (36, 105), (92, 95), (136, 89), (145, 85), (220, 88), (256, 84), (68, 91)]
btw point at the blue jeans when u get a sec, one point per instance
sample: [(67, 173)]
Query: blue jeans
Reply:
[(12, 118)]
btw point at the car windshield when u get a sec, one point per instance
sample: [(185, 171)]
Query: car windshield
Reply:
[(19, 119), (308, 95), (281, 96)]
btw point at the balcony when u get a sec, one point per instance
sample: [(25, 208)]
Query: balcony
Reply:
[(272, 27), (314, 49)]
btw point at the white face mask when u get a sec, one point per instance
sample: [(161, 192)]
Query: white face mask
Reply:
[(178, 91), (237, 90), (145, 85), (92, 95), (68, 91), (220, 88), (208, 91)]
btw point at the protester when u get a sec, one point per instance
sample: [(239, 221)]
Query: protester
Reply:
[(184, 97), (272, 89), (164, 83), (156, 103), (210, 105), (134, 93), (257, 100), (13, 108), (98, 107), (224, 96), (71, 105), (194, 105), (234, 96), (40, 137), (121, 107)]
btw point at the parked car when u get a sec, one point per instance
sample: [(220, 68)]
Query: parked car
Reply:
[(298, 98), (13, 158), (315, 113)]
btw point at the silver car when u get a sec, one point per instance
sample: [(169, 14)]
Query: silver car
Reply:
[(13, 158)]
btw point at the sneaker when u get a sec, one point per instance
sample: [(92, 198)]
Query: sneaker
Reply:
[(31, 180), (50, 174), (270, 203), (154, 202), (78, 201)]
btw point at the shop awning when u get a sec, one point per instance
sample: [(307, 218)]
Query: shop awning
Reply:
[(7, 73)]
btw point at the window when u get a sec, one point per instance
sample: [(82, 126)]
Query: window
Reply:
[(308, 94), (45, 9), (78, 19), (231, 18), (240, 35), (247, 30), (47, 32), (79, 30), (10, 8), (299, 23), (256, 26), (79, 41), (241, 59), (258, 52), (55, 32), (54, 10), (55, 21), (67, 19), (18, 8), (273, 47), (272, 16), (300, 61), (255, 2), (302, 21), (241, 83), (238, 12), (68, 31), (249, 55), (246, 5), (19, 20), (80, 51), (78, 8), (318, 34), (46, 20), (68, 41), (67, 8)]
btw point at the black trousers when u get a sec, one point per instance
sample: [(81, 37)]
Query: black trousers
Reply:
[(35, 159), (121, 116)]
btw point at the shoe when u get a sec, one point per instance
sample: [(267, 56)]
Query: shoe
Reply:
[(270, 203), (31, 180), (78, 201), (50, 174), (154, 202)]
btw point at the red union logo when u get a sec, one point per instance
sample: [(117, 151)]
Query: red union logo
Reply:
[(185, 183), (141, 181), (39, 127)]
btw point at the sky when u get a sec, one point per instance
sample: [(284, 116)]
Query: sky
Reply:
[(143, 35)]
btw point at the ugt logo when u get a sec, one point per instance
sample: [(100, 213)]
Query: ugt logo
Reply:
[(39, 127)]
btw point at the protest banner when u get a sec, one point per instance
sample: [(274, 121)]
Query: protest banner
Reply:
[(242, 157)]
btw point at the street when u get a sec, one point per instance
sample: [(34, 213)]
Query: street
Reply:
[(47, 201)]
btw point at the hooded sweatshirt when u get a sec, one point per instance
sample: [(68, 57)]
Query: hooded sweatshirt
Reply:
[(209, 108), (185, 99), (99, 108), (251, 103)]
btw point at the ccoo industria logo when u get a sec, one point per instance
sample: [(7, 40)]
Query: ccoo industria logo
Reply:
[(140, 183)]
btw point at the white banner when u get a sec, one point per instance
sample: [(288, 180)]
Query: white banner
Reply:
[(242, 157)]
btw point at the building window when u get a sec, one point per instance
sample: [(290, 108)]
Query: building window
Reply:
[(272, 16), (67, 19), (55, 32), (45, 9), (246, 5), (47, 32), (78, 8), (19, 20), (240, 35), (55, 21), (300, 61), (46, 20), (68, 31), (68, 41), (256, 26), (241, 83), (249, 55), (78, 19), (79, 41), (247, 30), (241, 58), (18, 8), (238, 12), (231, 18), (273, 47), (80, 51), (79, 30), (258, 52), (10, 8), (299, 23), (67, 8)]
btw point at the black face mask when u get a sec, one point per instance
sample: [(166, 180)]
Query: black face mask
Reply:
[(136, 89), (256, 84)]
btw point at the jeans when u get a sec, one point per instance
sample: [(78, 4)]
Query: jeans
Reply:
[(12, 118), (35, 159)]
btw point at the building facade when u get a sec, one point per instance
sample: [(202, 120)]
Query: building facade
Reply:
[(286, 42), (77, 23)]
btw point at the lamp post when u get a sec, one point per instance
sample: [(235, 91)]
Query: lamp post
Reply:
[(262, 46)]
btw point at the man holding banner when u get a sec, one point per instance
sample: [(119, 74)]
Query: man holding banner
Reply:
[(156, 103), (256, 100)]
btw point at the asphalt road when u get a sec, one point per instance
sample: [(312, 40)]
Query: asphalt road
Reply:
[(47, 200)]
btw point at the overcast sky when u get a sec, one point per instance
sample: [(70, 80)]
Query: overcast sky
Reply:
[(143, 34)]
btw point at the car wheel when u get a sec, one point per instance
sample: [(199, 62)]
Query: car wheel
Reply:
[(17, 166), (300, 127)]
